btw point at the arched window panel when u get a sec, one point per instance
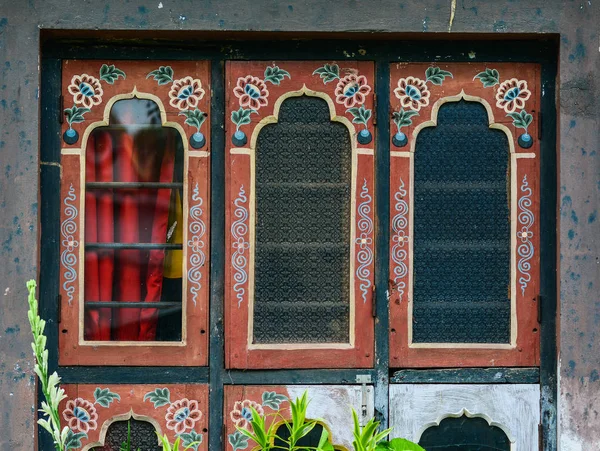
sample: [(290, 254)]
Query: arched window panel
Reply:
[(99, 416), (330, 405), (466, 417), (299, 217), (135, 213), (464, 208)]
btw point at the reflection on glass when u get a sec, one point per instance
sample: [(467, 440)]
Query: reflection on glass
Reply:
[(133, 227)]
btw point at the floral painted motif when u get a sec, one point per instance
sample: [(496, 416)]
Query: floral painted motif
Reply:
[(242, 412), (68, 256), (197, 229), (185, 93), (80, 415), (413, 93), (525, 249), (239, 229), (183, 415), (512, 95), (252, 92), (352, 90), (364, 256), (86, 90)]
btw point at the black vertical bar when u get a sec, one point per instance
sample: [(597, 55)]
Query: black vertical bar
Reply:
[(382, 211), (217, 256), (49, 225), (548, 258)]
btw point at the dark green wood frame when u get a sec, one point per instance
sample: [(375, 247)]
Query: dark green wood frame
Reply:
[(379, 48)]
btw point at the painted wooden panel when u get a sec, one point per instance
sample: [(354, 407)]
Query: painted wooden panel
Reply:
[(514, 408), (330, 403), (181, 93), (510, 94), (255, 92), (175, 410)]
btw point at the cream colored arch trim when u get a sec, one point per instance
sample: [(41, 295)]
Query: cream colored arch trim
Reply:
[(468, 414), (462, 96), (82, 167), (274, 118), (123, 417)]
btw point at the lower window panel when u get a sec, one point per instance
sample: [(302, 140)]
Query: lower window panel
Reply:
[(329, 404), (103, 417)]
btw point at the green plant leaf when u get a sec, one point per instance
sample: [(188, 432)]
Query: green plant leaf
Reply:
[(242, 116), (110, 74), (398, 444), (237, 440), (163, 75), (275, 75), (194, 118), (436, 75), (160, 397), (272, 400), (402, 118), (73, 439), (489, 77), (104, 396), (191, 440), (328, 72), (361, 115), (521, 119), (75, 114)]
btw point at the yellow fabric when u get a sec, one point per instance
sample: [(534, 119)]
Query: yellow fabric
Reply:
[(173, 267)]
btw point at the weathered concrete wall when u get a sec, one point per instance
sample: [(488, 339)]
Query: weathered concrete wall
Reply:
[(576, 21)]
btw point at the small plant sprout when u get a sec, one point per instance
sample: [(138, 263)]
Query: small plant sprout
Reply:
[(239, 118), (361, 115), (50, 384), (73, 115), (195, 118), (522, 120), (402, 118)]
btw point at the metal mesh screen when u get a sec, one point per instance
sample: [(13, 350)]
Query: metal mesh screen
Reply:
[(464, 434), (143, 436), (302, 248), (461, 260)]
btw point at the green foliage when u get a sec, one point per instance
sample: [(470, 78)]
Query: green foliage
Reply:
[(51, 390), (436, 75), (361, 115), (177, 446), (126, 446), (272, 399), (104, 396), (241, 117), (194, 118), (237, 440), (328, 72), (489, 77), (521, 119), (191, 440), (398, 444), (110, 74), (160, 397), (73, 440), (275, 75), (367, 437), (402, 118), (163, 75), (75, 115)]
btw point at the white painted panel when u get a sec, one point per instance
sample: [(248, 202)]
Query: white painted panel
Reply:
[(515, 408), (332, 404)]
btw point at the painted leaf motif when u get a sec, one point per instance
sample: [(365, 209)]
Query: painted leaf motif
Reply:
[(275, 75), (489, 77), (237, 440), (521, 119), (194, 118), (160, 397), (73, 440), (75, 115), (104, 396), (163, 75), (328, 72), (361, 115), (436, 75), (402, 118), (272, 400), (110, 74), (241, 116), (191, 440)]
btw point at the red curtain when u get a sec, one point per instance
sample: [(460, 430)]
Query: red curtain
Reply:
[(126, 216)]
